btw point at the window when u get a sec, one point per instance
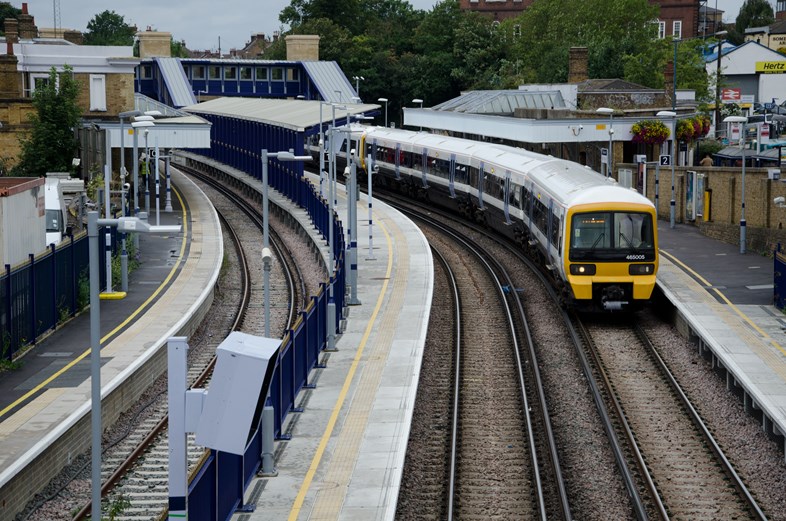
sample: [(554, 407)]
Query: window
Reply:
[(677, 29), (97, 92), (278, 74), (661, 29), (261, 74), (230, 73), (214, 72), (198, 72), (146, 72), (37, 80), (615, 232), (245, 73)]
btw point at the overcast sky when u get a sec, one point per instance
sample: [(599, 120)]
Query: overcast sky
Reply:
[(201, 22)]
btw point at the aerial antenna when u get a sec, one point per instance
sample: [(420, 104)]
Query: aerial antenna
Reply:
[(56, 7)]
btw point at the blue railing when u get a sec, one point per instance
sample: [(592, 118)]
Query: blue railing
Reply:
[(217, 489)]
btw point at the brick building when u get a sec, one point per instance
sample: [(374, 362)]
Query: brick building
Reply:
[(105, 73), (678, 18)]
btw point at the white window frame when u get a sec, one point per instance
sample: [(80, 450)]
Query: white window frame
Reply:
[(676, 29), (98, 92), (661, 29), (38, 75)]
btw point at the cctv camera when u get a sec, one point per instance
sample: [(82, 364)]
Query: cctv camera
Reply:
[(581, 127), (127, 187), (611, 131)]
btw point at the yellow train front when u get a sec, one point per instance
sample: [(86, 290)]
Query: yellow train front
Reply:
[(612, 254)]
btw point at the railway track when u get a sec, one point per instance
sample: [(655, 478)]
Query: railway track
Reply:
[(135, 474), (500, 454), (682, 471)]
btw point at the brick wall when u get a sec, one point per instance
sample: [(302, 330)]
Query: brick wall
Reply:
[(765, 221), (119, 95)]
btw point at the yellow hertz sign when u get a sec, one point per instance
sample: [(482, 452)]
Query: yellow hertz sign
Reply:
[(771, 67)]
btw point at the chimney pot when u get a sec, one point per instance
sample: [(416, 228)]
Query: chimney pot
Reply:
[(24, 8)]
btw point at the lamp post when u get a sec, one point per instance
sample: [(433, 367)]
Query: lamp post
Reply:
[(123, 116), (385, 101), (674, 76), (418, 100), (673, 116), (124, 224), (717, 81), (610, 112), (743, 224), (357, 83), (266, 255), (147, 172)]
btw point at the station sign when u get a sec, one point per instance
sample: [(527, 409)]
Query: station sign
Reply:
[(771, 67), (731, 95), (604, 156), (665, 160)]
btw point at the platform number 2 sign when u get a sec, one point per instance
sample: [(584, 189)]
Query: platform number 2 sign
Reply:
[(665, 160)]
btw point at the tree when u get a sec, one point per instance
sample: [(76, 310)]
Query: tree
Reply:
[(344, 13), (109, 28), (7, 11), (52, 142), (753, 13)]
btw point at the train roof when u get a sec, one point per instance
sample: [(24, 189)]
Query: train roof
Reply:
[(566, 181)]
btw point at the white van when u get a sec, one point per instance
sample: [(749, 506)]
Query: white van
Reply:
[(55, 211)]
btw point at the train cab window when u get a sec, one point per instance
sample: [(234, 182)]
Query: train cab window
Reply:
[(612, 231)]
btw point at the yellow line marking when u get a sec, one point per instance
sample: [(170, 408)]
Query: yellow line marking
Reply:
[(158, 290), (301, 496), (737, 310)]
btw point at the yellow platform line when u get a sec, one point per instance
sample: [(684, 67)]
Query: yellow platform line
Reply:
[(737, 310), (131, 317), (304, 487)]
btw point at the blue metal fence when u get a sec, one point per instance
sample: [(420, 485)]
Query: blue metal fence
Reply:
[(38, 295), (217, 489)]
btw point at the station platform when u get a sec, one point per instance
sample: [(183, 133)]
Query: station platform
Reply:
[(725, 299), (45, 404)]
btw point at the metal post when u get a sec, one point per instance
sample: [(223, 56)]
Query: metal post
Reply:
[(331, 311), (673, 144), (265, 241), (657, 188), (95, 365), (268, 428), (743, 224), (177, 368), (674, 66), (136, 175), (108, 236), (168, 205), (370, 170), (158, 205), (609, 169), (353, 223), (147, 176)]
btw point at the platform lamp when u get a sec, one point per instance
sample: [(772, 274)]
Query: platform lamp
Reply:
[(743, 227), (385, 101), (673, 116), (266, 255), (420, 101), (610, 112), (124, 225), (358, 79)]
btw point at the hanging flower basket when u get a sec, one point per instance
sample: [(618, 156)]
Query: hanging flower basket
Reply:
[(685, 129), (650, 131)]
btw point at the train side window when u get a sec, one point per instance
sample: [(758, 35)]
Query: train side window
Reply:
[(514, 196), (526, 200), (461, 174), (555, 229), (473, 177), (540, 216)]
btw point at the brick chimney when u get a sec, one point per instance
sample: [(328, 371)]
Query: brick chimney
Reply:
[(578, 65), (27, 27), (154, 44), (10, 78), (302, 47), (11, 27), (668, 82), (780, 10)]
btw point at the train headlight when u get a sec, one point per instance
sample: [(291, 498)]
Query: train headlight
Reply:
[(582, 269), (641, 269)]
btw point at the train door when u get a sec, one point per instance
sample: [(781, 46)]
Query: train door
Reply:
[(481, 182), (506, 197), (398, 161), (424, 166), (530, 197), (452, 176)]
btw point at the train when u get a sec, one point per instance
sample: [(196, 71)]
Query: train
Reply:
[(597, 239)]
